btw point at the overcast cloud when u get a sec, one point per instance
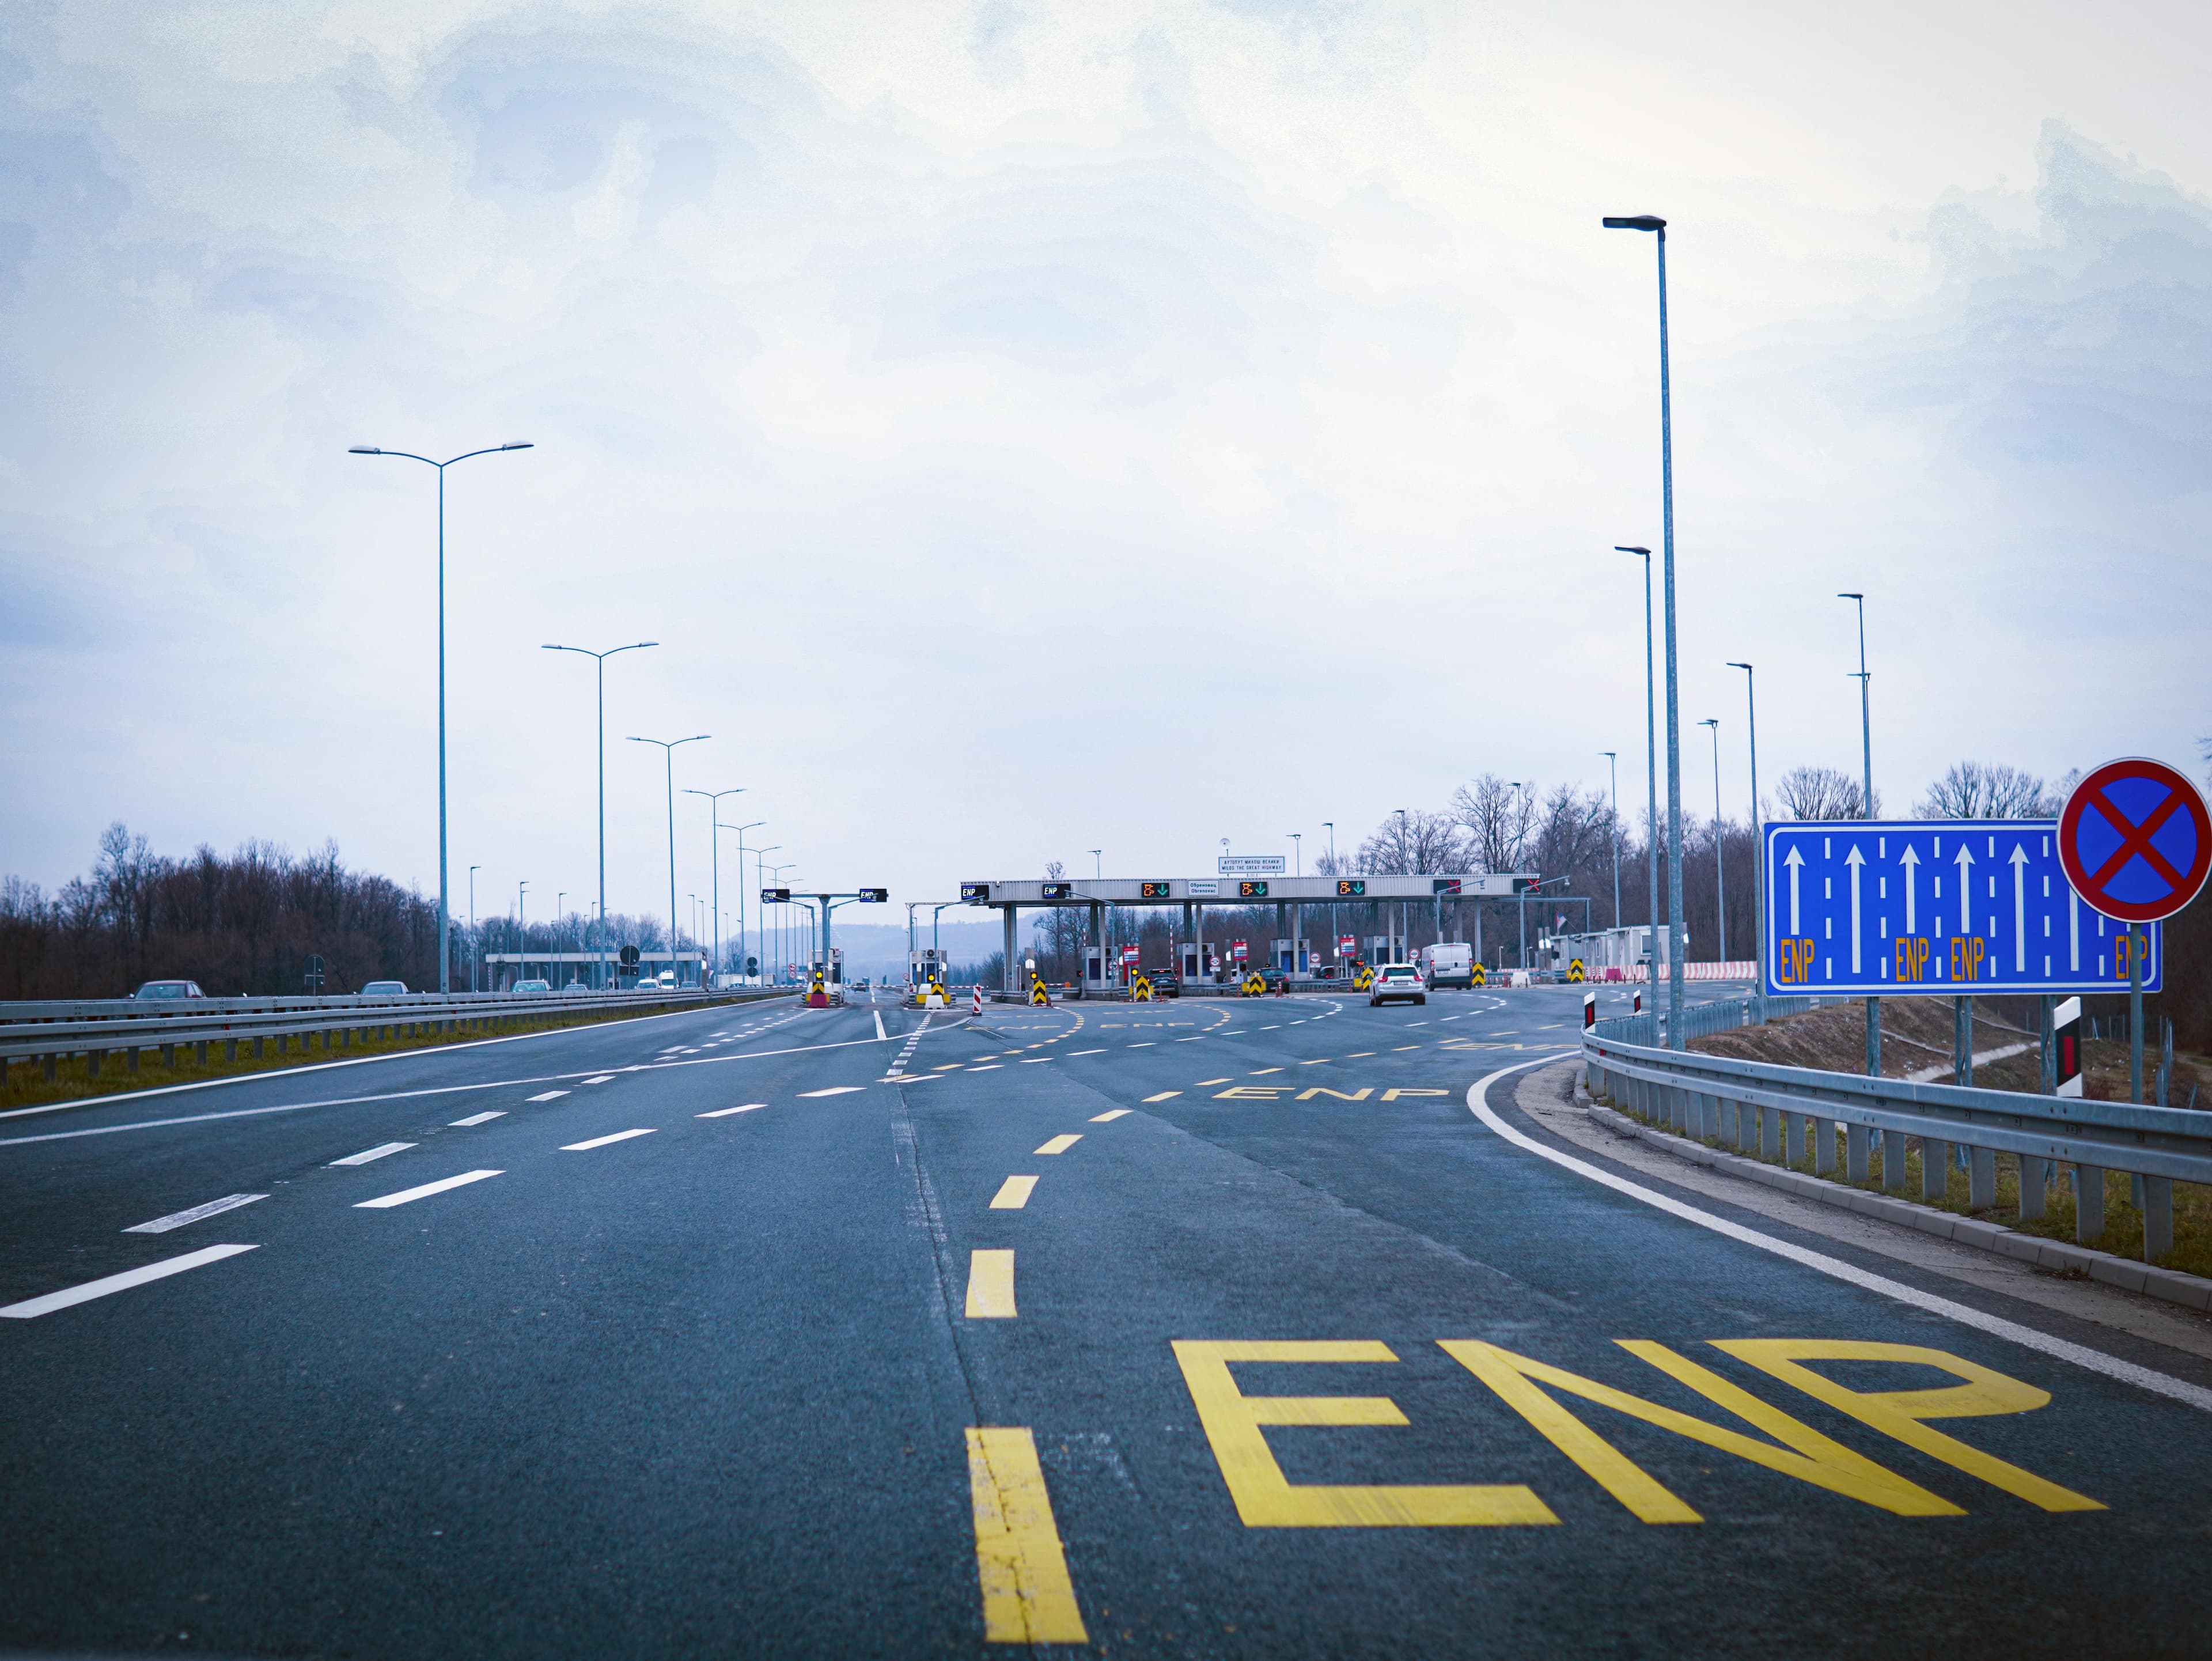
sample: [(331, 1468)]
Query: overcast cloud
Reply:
[(1031, 430)]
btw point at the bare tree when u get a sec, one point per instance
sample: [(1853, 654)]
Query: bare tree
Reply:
[(1821, 793), (1498, 817), (1575, 834), (1983, 790), (1418, 844)]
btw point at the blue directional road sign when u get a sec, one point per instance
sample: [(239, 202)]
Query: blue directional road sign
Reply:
[(1884, 907)]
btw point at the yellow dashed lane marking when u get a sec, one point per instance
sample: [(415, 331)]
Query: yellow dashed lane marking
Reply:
[(1113, 1113), (1013, 1194), (1203, 1082), (1060, 1144), (991, 1286), (1027, 1597)]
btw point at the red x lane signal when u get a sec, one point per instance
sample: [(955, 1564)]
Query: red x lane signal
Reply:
[(2136, 840)]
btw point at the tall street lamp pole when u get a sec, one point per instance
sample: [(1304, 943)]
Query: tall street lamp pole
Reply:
[(472, 925), (714, 809), (444, 966), (1720, 880), (760, 871), (1866, 805), (668, 756), (1612, 761), (1650, 766), (521, 929), (1674, 968), (599, 661), (1517, 784), (1757, 851)]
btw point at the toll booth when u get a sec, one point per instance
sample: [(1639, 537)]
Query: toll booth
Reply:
[(1386, 948), (1293, 957), (1190, 961), (924, 966), (1094, 969)]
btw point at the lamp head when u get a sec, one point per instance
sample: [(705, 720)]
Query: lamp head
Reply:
[(1635, 222), (1857, 597), (1619, 548), (363, 450), (1744, 666), (519, 444)]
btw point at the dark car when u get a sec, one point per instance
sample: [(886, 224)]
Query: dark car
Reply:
[(1278, 980), (1166, 983)]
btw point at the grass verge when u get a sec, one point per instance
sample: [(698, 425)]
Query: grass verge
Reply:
[(28, 1086)]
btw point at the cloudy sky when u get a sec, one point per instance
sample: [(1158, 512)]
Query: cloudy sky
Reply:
[(1030, 428)]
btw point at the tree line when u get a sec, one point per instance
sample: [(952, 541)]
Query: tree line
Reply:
[(248, 923)]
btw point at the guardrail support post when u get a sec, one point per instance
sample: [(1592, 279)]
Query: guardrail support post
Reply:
[(1934, 1169), (2034, 1178), (49, 1068), (131, 1058), (2088, 1204), (1981, 1178), (2158, 1218), (91, 1059), (1770, 1133), (1823, 1147), (169, 1055), (230, 1050), (1857, 1167), (1893, 1176), (1793, 1128)]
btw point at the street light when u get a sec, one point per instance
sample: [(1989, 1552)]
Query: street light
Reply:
[(1515, 784), (713, 808), (760, 873), (1866, 807), (668, 756), (600, 662), (445, 967), (1675, 971), (473, 953), (1650, 768), (1757, 851), (783, 913), (1613, 758), (521, 930), (1720, 884)]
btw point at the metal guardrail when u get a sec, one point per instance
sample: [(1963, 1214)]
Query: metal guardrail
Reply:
[(1772, 1112), (51, 1034), (1702, 1020)]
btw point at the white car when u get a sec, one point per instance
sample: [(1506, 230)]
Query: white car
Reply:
[(1397, 983), (384, 989), (531, 988)]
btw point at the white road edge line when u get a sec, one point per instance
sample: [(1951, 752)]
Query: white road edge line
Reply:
[(2063, 1349), (123, 1283)]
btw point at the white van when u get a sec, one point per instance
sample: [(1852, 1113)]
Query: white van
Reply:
[(1448, 963)]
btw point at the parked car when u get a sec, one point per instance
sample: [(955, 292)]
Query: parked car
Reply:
[(170, 990), (385, 989), (666, 980), (1278, 980), (524, 989), (1166, 983), (1397, 983)]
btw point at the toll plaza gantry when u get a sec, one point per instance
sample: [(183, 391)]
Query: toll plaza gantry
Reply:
[(1292, 953)]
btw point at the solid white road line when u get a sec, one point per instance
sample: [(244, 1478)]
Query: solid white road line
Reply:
[(178, 1218), (386, 1202), (878, 1014), (367, 1154), (725, 1112), (136, 1277), (476, 1118), (2080, 1354), (602, 1141), (550, 1095)]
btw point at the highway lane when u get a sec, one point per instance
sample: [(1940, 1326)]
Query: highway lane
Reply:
[(711, 1386)]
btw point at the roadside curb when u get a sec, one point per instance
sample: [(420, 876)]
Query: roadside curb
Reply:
[(2170, 1285)]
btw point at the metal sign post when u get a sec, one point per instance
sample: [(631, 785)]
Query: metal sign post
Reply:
[(2135, 841)]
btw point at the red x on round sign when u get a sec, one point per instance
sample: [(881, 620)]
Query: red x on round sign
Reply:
[(2135, 840)]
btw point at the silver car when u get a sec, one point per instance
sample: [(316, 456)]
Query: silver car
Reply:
[(1397, 983)]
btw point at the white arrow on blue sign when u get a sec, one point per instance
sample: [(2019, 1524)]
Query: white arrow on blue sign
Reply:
[(1888, 907)]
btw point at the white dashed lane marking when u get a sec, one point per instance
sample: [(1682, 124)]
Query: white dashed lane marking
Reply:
[(602, 1141), (31, 1307), (476, 1118), (407, 1195), (725, 1112), (367, 1154), (178, 1218)]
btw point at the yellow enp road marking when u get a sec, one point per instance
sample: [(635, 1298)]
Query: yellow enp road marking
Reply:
[(991, 1286), (1027, 1597), (1060, 1144), (1013, 1194)]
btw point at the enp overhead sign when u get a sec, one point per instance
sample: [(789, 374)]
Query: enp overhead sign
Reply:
[(1885, 907)]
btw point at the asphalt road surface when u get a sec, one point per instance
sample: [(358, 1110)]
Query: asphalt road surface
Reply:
[(1262, 1327)]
